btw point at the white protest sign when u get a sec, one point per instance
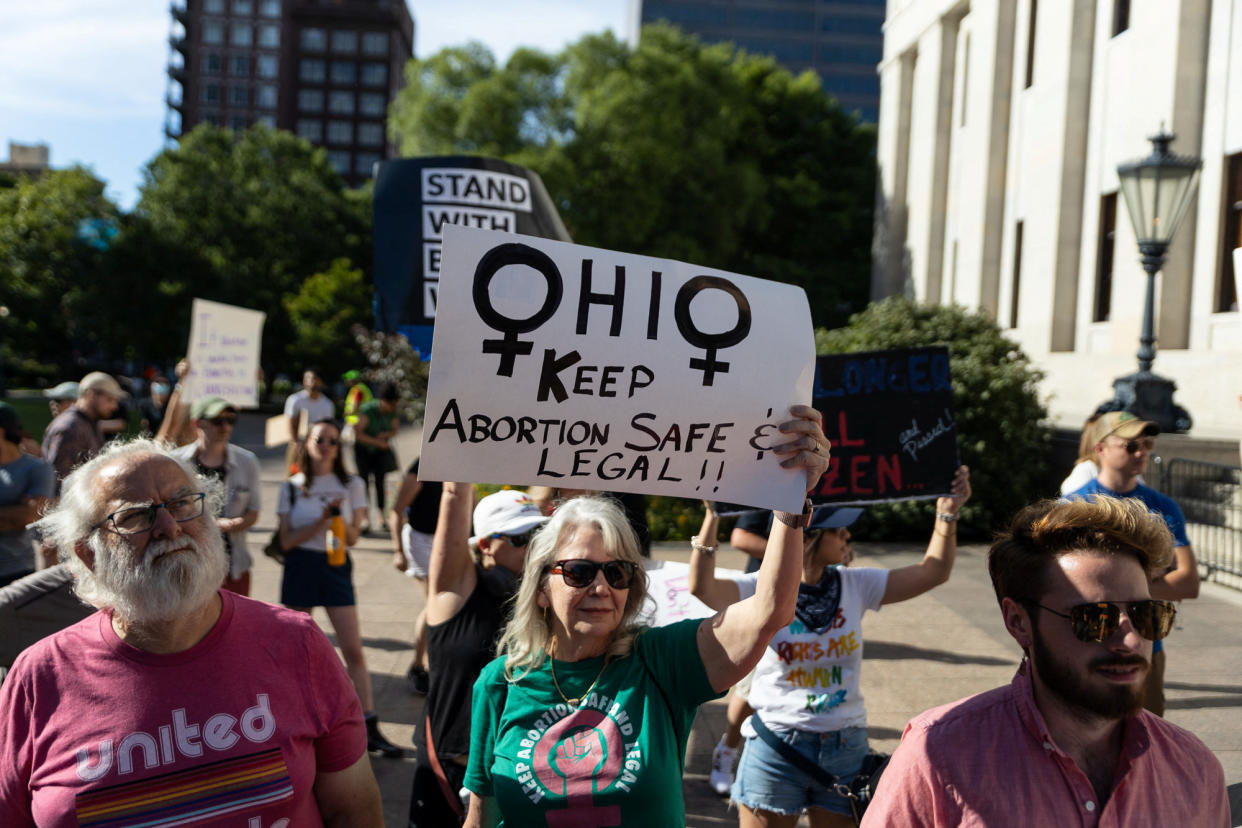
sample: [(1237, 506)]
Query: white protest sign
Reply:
[(488, 199), (224, 353), (668, 593), (563, 365)]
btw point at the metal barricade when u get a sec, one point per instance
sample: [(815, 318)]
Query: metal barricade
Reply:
[(1210, 496)]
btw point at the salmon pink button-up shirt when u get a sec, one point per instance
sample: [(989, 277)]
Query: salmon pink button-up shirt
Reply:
[(989, 760)]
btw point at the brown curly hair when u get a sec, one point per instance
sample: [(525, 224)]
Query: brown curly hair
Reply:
[(1018, 559)]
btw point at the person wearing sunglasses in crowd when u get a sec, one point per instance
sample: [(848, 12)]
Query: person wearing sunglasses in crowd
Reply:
[(238, 469), (321, 501), (470, 581), (1067, 742), (1123, 444), (805, 690), (584, 716)]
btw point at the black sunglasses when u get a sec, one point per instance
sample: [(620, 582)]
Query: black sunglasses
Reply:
[(223, 420), (518, 540), (1094, 623), (1146, 444), (327, 441), (580, 573)]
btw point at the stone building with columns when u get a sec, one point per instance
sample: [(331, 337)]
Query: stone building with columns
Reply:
[(1001, 127)]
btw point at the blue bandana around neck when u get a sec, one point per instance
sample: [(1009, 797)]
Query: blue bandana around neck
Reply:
[(818, 603)]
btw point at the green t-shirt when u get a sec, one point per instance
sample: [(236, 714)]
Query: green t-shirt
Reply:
[(377, 421), (616, 759)]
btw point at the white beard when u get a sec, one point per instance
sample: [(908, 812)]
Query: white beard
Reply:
[(159, 588)]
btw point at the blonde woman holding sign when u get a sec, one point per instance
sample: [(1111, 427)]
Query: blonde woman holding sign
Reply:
[(585, 715)]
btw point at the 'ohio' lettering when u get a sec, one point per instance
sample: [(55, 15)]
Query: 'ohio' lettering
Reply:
[(511, 346)]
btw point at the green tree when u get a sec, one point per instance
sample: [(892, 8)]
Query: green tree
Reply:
[(1001, 421), (250, 215), (145, 277), (323, 313), (54, 234), (701, 153)]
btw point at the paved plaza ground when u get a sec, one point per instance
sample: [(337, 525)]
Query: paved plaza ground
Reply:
[(928, 651)]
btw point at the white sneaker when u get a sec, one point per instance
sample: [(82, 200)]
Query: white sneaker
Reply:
[(721, 778)]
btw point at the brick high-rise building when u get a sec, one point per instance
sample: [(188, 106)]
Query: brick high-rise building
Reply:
[(323, 69)]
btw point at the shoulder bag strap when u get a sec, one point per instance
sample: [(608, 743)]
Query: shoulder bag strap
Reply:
[(792, 756)]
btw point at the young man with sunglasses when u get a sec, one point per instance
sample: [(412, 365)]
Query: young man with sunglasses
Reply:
[(1068, 741), (238, 469), (469, 584), (1123, 445)]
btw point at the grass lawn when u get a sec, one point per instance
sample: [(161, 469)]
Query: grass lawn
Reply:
[(33, 412)]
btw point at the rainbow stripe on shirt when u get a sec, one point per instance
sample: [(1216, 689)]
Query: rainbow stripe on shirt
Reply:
[(189, 797)]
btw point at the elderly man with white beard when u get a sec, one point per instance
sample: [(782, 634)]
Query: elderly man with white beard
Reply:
[(176, 699)]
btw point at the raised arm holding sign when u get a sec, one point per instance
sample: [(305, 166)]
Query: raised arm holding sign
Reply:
[(564, 365)]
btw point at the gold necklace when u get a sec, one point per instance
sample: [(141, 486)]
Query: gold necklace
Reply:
[(574, 702)]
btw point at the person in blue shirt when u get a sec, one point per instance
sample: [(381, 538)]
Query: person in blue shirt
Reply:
[(26, 485), (1123, 444)]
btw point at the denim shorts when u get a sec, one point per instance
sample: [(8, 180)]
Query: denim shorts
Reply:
[(308, 581), (766, 781)]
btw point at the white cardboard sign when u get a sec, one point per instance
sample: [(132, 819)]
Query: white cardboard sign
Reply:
[(563, 365), (669, 599), (224, 353)]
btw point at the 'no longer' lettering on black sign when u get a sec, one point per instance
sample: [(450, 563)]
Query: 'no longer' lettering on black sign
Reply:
[(889, 415)]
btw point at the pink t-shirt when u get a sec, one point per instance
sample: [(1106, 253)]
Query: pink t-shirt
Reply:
[(989, 761), (232, 731)]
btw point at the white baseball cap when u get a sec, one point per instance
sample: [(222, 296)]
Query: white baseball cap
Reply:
[(101, 383), (507, 512)]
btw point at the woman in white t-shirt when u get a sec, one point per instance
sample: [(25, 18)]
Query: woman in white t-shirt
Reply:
[(1085, 468), (805, 690), (309, 503)]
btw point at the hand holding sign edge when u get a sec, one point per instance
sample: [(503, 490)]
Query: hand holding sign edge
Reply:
[(809, 449)]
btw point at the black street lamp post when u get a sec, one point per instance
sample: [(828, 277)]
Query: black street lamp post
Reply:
[(1157, 192)]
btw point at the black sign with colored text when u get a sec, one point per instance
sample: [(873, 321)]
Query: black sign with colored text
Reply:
[(889, 415)]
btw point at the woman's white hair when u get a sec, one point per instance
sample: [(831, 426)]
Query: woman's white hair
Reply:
[(75, 517), (528, 634)]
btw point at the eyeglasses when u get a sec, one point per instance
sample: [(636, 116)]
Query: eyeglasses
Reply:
[(327, 441), (141, 518), (580, 573), (519, 540), (224, 420), (1094, 623), (1132, 446)]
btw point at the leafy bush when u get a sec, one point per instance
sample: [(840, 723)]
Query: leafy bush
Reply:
[(394, 360), (673, 518), (1002, 433)]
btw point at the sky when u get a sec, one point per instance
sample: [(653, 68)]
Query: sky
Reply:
[(87, 77)]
